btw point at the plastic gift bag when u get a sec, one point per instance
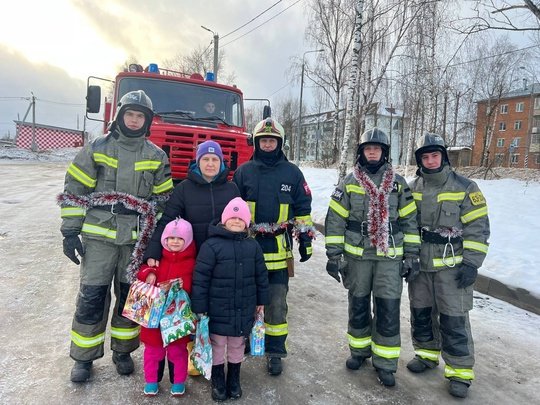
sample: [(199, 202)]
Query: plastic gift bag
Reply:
[(177, 319), (201, 355), (257, 335), (144, 304)]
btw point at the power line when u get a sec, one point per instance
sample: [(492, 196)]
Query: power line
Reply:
[(253, 19), (260, 25), (493, 56), (60, 102)]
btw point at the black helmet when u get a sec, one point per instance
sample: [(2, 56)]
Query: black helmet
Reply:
[(430, 143), (373, 136), (138, 101)]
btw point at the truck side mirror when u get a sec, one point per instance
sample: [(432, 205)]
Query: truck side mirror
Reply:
[(93, 99), (267, 112)]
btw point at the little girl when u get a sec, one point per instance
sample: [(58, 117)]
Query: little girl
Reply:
[(177, 261), (230, 283)]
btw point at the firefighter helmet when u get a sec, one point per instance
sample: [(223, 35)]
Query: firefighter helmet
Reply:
[(373, 136), (138, 101), (430, 142), (268, 127)]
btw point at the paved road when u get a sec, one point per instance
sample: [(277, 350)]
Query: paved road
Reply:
[(37, 298)]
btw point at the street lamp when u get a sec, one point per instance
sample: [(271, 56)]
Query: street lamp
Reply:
[(216, 45), (297, 149), (529, 119)]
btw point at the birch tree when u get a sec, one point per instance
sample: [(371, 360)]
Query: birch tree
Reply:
[(353, 78), (330, 27)]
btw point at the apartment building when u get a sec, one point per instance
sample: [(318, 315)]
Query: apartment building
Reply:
[(508, 130)]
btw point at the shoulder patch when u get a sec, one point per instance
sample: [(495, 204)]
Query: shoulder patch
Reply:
[(477, 198), (307, 190), (337, 194)]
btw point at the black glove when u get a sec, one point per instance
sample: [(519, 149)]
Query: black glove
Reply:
[(466, 276), (411, 268), (71, 244), (336, 266), (304, 246)]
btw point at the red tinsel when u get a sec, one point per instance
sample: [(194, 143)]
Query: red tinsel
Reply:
[(147, 209), (378, 211)]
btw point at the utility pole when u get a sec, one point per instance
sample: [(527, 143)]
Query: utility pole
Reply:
[(216, 51), (34, 146), (297, 143)]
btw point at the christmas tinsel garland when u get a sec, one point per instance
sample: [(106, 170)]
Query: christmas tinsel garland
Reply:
[(146, 209)]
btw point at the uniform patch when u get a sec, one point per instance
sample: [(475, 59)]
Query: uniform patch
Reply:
[(307, 190), (337, 194), (285, 188), (395, 187), (477, 198)]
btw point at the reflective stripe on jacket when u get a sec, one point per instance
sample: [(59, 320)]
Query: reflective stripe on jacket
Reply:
[(447, 200), (350, 202), (114, 162)]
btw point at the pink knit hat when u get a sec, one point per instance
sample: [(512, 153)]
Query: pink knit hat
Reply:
[(236, 208), (179, 228)]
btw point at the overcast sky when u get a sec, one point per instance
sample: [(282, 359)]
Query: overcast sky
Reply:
[(51, 47)]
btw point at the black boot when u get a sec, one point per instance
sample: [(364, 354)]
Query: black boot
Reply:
[(273, 365), (354, 362), (81, 371), (234, 391), (458, 389), (124, 363), (386, 378), (219, 390)]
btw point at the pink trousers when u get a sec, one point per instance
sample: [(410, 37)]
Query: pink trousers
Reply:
[(233, 345), (176, 353)]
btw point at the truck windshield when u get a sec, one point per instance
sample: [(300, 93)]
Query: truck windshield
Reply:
[(187, 100)]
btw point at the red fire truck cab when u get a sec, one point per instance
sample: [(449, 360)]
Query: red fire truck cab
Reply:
[(181, 121)]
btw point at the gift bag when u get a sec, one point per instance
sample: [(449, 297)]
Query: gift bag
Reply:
[(177, 319), (201, 355), (257, 335), (144, 304)]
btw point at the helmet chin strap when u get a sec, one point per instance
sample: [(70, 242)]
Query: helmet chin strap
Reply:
[(432, 171)]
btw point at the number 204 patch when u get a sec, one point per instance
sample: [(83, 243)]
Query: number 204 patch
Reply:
[(477, 198)]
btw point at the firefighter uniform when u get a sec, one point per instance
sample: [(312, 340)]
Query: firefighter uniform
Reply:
[(279, 198), (439, 309), (369, 270), (114, 163)]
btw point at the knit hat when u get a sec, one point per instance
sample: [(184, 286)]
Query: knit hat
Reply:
[(236, 208), (179, 228), (209, 147)]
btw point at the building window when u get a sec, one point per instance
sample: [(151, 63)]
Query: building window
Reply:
[(515, 142), (517, 125), (536, 103), (504, 109), (500, 142), (502, 126), (538, 159), (515, 158), (535, 139), (520, 107)]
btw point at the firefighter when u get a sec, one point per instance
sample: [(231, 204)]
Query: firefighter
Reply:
[(454, 228), (370, 228), (280, 204), (107, 186)]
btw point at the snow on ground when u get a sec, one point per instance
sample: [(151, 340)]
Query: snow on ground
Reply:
[(38, 288)]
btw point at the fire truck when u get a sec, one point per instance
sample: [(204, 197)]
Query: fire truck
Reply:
[(189, 110)]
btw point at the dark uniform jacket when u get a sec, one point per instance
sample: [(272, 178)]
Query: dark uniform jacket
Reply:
[(229, 281), (275, 194), (198, 202)]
